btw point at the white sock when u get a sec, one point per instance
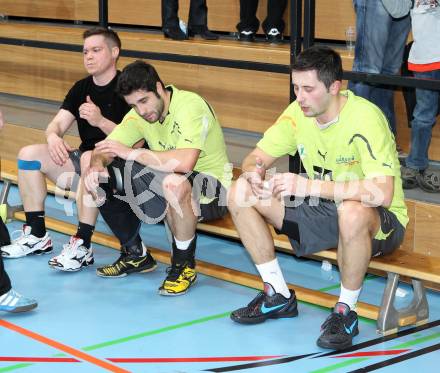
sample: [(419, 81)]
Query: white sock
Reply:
[(271, 273), (183, 245), (349, 297)]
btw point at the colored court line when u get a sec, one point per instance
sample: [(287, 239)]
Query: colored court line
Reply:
[(417, 341), (399, 359), (373, 353), (39, 359), (62, 347), (212, 359)]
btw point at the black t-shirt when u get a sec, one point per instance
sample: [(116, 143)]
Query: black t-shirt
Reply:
[(113, 107)]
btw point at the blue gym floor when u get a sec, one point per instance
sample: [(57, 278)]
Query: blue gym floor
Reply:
[(85, 323)]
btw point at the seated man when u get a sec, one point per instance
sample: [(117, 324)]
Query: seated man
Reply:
[(95, 106), (182, 178), (10, 300), (351, 197)]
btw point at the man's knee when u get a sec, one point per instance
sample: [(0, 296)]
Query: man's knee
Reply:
[(85, 160), (29, 158), (239, 194), (176, 187), (355, 218)]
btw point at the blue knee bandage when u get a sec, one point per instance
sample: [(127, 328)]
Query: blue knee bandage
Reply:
[(29, 165)]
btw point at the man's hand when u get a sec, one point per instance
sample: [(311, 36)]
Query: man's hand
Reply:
[(58, 149), (93, 176), (255, 176), (90, 112), (289, 184), (113, 148)]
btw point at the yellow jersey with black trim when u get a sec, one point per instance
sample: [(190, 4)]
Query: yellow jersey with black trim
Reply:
[(190, 124), (358, 146)]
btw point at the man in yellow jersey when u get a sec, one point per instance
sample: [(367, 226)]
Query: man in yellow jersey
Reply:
[(182, 178), (350, 198)]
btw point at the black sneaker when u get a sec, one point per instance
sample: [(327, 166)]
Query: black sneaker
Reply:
[(409, 177), (126, 264), (339, 328), (266, 305), (274, 36)]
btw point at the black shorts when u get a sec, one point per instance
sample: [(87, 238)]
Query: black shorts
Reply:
[(75, 157), (312, 226), (141, 187)]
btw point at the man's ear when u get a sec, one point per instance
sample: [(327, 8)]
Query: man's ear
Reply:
[(335, 87)]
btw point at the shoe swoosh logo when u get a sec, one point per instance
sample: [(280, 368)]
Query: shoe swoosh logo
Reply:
[(350, 329), (265, 309)]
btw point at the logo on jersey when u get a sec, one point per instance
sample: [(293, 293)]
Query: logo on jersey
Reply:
[(301, 151)]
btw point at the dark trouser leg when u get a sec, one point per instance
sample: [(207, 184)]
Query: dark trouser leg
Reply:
[(5, 282), (248, 16), (198, 15), (170, 18), (275, 12)]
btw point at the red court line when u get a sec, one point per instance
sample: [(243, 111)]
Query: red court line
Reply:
[(374, 353), (191, 359), (69, 350)]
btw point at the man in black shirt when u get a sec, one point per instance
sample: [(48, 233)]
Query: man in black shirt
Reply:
[(97, 108)]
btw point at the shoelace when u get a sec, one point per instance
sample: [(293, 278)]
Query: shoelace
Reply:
[(335, 322), (174, 271)]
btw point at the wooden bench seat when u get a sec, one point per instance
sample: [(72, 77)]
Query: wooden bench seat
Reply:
[(416, 266)]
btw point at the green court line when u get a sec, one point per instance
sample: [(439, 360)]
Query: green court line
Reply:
[(131, 338), (342, 364), (417, 341)]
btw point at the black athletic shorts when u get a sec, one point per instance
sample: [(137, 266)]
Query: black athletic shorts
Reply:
[(312, 226), (141, 187), (75, 157)]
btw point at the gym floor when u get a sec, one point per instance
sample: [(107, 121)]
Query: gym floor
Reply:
[(85, 323)]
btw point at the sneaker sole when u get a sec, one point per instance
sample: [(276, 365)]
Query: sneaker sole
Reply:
[(36, 252), (336, 346), (263, 318), (20, 309), (127, 273), (63, 269), (168, 294)]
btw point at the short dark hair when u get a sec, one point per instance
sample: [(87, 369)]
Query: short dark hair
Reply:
[(324, 60), (138, 75), (109, 35)]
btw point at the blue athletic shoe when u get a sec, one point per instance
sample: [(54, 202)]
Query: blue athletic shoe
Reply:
[(339, 328), (266, 305), (15, 302)]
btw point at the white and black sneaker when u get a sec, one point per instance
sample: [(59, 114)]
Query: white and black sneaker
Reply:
[(274, 36), (27, 244), (246, 35), (73, 257)]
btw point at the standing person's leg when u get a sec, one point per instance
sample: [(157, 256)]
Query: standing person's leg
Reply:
[(383, 96), (273, 25), (34, 165), (424, 114), (198, 20), (249, 23), (78, 253), (10, 300), (170, 20), (372, 28)]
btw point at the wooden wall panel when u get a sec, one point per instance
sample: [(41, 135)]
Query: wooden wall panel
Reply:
[(427, 234), (84, 10), (408, 242), (332, 18)]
